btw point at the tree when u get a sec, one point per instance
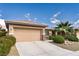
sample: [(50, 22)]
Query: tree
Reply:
[(64, 27)]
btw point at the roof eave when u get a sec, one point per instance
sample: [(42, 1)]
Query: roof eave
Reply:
[(17, 23)]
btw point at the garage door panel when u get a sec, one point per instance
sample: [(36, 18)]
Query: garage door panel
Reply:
[(27, 35)]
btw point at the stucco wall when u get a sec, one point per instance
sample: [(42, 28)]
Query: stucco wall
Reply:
[(77, 33), (11, 27)]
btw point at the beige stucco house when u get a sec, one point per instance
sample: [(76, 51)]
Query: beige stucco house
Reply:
[(26, 31)]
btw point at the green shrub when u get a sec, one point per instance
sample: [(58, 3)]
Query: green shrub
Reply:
[(51, 37), (58, 39), (66, 35), (6, 42), (11, 38), (4, 46), (3, 32), (4, 49), (72, 38)]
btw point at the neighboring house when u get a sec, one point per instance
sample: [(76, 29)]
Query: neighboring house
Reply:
[(52, 32), (25, 30)]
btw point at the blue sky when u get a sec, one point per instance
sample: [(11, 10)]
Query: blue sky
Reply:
[(42, 13)]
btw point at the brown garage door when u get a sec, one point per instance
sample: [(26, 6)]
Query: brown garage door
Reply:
[(27, 35)]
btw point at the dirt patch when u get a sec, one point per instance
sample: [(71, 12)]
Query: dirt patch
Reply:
[(74, 46)]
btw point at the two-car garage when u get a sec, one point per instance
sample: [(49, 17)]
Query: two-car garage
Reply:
[(27, 34)]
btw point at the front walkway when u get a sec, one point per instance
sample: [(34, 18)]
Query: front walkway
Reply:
[(41, 48)]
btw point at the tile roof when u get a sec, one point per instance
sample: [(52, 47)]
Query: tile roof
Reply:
[(25, 22)]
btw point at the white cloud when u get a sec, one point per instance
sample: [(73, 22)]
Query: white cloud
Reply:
[(35, 20), (54, 21), (28, 16), (58, 13), (51, 18), (76, 24)]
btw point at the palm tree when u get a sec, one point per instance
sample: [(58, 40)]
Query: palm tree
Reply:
[(64, 27)]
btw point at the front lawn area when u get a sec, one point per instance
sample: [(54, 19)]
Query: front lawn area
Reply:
[(74, 46), (65, 36)]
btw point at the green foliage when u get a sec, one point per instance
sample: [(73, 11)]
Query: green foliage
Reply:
[(58, 39), (4, 46), (65, 29), (4, 50), (64, 26), (72, 38), (11, 38), (3, 32), (6, 42), (51, 37)]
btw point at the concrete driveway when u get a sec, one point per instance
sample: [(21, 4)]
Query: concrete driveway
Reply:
[(42, 48)]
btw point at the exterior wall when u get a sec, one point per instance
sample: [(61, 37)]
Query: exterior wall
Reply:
[(27, 27), (11, 30), (43, 35), (77, 33), (50, 33)]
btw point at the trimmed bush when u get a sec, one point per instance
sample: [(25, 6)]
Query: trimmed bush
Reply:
[(6, 42), (51, 37), (72, 38), (4, 46), (4, 49), (11, 38), (3, 32), (58, 39)]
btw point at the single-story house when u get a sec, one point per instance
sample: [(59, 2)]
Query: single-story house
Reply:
[(25, 30)]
